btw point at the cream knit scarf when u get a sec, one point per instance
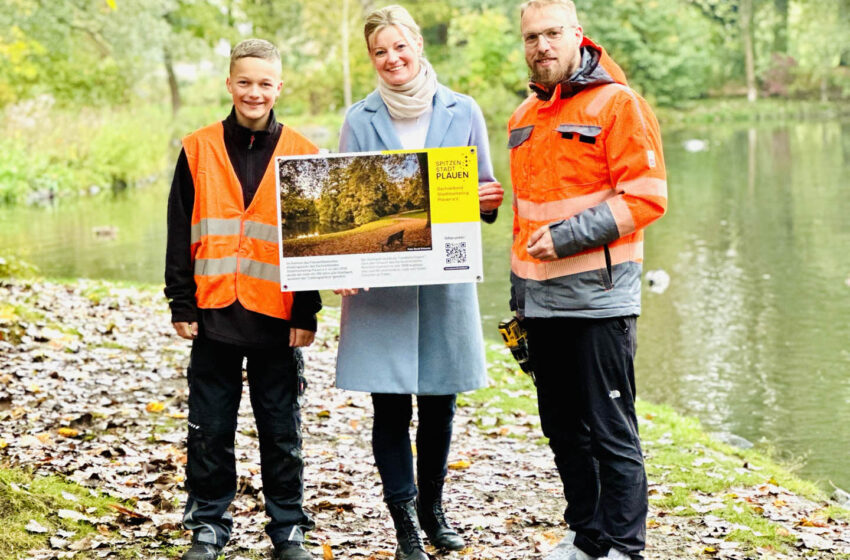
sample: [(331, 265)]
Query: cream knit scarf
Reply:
[(410, 100)]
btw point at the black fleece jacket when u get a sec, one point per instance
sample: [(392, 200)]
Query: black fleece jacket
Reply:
[(250, 152)]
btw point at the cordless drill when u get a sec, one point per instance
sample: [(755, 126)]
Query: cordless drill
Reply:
[(516, 341)]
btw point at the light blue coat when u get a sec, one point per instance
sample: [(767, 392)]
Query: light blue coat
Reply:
[(423, 340)]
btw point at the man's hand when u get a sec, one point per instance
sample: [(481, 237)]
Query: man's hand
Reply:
[(490, 196), (189, 331), (540, 245), (300, 337)]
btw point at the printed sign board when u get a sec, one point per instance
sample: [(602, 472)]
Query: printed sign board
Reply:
[(371, 219)]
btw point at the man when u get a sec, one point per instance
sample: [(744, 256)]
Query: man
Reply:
[(588, 176)]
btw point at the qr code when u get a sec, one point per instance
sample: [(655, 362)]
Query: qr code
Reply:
[(456, 253)]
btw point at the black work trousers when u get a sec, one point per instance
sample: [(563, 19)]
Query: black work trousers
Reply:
[(586, 395), (215, 389), (391, 441)]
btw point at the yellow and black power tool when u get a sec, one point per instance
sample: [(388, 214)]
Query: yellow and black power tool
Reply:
[(516, 341)]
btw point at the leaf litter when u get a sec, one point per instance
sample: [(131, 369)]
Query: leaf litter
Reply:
[(93, 389)]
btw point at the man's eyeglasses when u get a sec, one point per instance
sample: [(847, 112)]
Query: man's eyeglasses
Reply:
[(552, 35)]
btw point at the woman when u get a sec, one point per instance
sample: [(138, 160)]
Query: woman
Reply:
[(415, 340)]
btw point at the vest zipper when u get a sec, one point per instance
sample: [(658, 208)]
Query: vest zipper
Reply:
[(251, 143)]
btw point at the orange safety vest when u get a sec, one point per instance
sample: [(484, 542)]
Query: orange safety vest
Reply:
[(599, 146), (235, 249)]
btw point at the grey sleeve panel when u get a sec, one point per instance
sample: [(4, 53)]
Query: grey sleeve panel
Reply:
[(590, 228), (586, 294), (517, 302)]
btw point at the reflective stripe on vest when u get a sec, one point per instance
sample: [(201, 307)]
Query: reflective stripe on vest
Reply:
[(219, 226), (235, 250)]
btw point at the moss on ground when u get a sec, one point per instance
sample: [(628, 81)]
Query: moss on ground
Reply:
[(25, 498)]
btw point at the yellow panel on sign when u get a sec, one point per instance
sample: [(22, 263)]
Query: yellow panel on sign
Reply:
[(453, 183)]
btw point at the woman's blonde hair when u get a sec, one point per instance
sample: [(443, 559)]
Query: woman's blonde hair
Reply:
[(387, 17)]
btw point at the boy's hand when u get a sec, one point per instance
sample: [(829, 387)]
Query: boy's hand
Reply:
[(300, 337), (189, 331)]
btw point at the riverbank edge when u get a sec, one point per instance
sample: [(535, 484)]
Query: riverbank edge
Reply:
[(51, 176), (691, 473)]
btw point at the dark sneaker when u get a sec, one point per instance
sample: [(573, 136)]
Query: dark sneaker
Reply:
[(202, 551), (616, 555), (291, 550)]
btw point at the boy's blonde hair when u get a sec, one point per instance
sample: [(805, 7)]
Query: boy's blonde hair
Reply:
[(387, 17), (254, 48), (568, 5)]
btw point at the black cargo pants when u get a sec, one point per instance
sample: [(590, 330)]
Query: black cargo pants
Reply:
[(215, 389), (586, 395)]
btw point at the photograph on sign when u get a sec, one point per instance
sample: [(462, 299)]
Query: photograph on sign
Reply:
[(355, 204)]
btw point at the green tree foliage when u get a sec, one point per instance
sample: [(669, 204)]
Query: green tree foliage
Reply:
[(103, 52), (487, 61), (60, 48), (669, 51), (819, 41), (94, 52)]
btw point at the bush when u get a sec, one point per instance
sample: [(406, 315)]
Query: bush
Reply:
[(56, 153), (12, 267)]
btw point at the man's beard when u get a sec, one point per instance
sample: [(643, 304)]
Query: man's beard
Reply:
[(549, 77)]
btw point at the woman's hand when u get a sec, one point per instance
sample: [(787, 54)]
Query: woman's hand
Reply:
[(349, 291), (490, 196)]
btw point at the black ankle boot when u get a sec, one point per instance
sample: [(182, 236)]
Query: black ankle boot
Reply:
[(429, 505), (410, 546)]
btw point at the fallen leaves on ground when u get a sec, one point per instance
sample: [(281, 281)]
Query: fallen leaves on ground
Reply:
[(95, 391)]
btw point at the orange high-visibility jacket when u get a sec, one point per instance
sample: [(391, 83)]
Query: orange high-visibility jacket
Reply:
[(235, 249), (586, 160)]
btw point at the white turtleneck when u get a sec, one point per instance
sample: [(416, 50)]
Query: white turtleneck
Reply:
[(412, 132)]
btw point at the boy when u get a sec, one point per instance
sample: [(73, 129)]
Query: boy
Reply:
[(222, 280)]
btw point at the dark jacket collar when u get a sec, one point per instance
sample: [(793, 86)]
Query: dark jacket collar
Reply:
[(243, 135)]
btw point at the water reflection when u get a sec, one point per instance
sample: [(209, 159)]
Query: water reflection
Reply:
[(752, 334)]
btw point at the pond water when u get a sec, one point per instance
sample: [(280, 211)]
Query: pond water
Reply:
[(752, 335)]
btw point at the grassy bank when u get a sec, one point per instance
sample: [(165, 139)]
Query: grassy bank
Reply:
[(691, 473), (52, 154), (740, 111)]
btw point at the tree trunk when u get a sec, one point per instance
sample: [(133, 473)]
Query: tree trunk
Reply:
[(173, 86), (780, 32), (844, 18), (749, 55), (346, 66), (752, 159)]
